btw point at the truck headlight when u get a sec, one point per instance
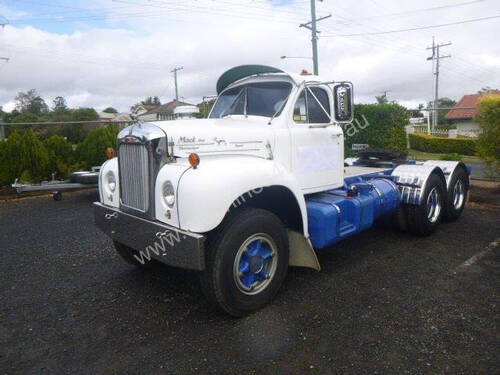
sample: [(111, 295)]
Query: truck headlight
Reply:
[(111, 181), (169, 193)]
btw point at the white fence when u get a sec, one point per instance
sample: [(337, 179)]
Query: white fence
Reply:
[(451, 133)]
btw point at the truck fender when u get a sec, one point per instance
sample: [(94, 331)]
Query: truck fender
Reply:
[(412, 179), (219, 184), (448, 168)]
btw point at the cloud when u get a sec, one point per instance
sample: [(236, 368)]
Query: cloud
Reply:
[(118, 53)]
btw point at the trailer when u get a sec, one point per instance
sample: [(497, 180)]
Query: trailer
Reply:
[(78, 180)]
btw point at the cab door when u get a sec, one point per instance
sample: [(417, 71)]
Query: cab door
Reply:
[(317, 143)]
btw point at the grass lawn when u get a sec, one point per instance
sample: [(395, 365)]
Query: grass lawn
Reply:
[(419, 155)]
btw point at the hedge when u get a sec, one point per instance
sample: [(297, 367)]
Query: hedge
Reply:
[(25, 157), (92, 151), (428, 143), (381, 126)]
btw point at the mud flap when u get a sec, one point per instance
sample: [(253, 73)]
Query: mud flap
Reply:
[(302, 253)]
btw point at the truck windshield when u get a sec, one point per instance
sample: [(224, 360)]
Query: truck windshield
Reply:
[(256, 99)]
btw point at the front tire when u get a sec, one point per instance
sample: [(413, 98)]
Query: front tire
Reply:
[(247, 261), (423, 219)]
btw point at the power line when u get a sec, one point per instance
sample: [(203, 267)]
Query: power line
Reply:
[(412, 11), (415, 28)]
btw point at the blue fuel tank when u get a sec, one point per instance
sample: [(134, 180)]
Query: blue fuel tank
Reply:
[(333, 215)]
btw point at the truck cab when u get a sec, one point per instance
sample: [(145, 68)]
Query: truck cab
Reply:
[(259, 185)]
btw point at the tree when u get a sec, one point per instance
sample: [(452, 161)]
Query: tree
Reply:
[(84, 114), (92, 151), (59, 105), (488, 90), (381, 126), (488, 116), (30, 102), (416, 112), (442, 103), (110, 110), (25, 157), (151, 101), (205, 108), (60, 154), (382, 99)]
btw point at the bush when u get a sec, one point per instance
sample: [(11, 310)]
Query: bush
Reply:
[(488, 116), (23, 154), (92, 151), (428, 143), (381, 126), (452, 156), (61, 155)]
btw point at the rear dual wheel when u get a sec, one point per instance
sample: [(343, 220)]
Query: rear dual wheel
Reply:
[(457, 196), (423, 219)]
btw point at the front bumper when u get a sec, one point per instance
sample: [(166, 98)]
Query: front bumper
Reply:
[(162, 242)]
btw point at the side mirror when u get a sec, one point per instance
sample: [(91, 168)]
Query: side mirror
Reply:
[(343, 102)]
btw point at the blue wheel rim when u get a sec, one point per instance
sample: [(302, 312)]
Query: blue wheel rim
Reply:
[(255, 264)]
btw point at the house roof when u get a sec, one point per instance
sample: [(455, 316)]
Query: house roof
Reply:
[(465, 108), (166, 108)]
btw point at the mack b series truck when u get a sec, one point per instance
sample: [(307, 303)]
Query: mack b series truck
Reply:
[(260, 185)]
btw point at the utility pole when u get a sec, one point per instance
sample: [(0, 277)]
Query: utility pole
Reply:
[(311, 25), (436, 56), (6, 59), (175, 70)]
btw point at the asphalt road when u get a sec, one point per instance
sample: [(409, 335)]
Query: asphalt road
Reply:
[(385, 302)]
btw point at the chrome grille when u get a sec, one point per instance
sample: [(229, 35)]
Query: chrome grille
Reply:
[(134, 176)]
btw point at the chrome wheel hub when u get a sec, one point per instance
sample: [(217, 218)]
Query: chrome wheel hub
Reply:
[(458, 194), (433, 205), (255, 264)]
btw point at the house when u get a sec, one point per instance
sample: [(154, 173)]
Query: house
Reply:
[(463, 116), (159, 112), (186, 112), (118, 117)]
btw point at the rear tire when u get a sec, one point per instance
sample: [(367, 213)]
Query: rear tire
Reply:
[(423, 220), (247, 261), (457, 196)]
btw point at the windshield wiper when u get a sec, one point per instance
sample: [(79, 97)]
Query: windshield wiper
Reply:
[(279, 109), (236, 98)]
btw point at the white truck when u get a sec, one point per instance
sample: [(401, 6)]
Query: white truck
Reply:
[(259, 186)]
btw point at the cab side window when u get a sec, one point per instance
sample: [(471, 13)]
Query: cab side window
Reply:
[(308, 110)]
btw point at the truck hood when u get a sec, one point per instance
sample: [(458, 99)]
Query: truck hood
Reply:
[(229, 135)]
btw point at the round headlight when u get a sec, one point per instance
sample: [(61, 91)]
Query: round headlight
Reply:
[(111, 181), (169, 193)]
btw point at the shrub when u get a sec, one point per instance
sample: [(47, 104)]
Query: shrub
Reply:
[(24, 155), (381, 126), (92, 151), (488, 116), (451, 156), (61, 155), (428, 143)]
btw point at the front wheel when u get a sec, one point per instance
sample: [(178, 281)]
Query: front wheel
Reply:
[(247, 261)]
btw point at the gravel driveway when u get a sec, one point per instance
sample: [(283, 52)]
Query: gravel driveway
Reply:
[(384, 302)]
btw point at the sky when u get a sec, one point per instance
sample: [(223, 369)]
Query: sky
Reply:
[(101, 53)]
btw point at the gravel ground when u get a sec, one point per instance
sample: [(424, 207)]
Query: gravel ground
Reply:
[(384, 302)]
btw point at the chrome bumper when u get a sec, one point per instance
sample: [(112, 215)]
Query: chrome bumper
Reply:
[(162, 242)]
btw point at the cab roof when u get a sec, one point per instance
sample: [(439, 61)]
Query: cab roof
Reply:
[(243, 71)]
